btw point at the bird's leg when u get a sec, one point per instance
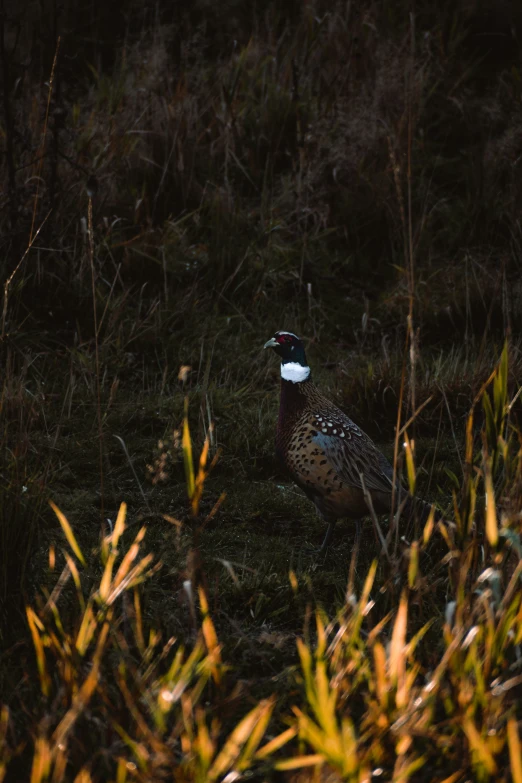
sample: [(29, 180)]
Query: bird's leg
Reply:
[(358, 531), (328, 537), (357, 542), (355, 555)]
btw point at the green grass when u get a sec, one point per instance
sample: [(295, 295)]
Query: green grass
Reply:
[(261, 585)]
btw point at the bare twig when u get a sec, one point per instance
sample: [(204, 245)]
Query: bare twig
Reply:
[(124, 447), (15, 270), (42, 145)]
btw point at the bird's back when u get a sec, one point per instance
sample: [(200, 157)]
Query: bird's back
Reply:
[(326, 454)]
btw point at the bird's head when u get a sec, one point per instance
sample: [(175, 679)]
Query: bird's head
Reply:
[(290, 348)]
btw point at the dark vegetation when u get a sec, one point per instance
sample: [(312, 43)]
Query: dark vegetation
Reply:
[(180, 180)]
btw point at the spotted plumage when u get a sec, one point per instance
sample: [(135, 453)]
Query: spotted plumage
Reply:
[(326, 453)]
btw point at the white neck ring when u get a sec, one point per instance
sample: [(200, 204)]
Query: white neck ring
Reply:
[(294, 372)]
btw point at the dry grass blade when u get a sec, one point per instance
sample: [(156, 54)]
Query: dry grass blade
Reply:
[(276, 743), (67, 529), (491, 512), (135, 576), (129, 557), (42, 760), (217, 505), (210, 636), (397, 661), (413, 566), (186, 444), (381, 679), (86, 631), (35, 627), (201, 475), (60, 584), (410, 463), (375, 521), (119, 526), (428, 527), (133, 469), (106, 580), (4, 753), (515, 750), (414, 416), (85, 693), (297, 762), (15, 270), (245, 737), (105, 583), (84, 776), (479, 746)]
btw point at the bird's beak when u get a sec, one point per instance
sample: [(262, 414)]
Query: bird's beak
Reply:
[(272, 343)]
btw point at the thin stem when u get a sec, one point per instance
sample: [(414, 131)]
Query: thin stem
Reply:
[(411, 275), (97, 356), (42, 145), (8, 118)]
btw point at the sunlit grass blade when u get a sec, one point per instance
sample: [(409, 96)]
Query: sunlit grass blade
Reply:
[(201, 476), (428, 527), (186, 445), (35, 627), (76, 579), (204, 746), (136, 576), (84, 695), (457, 776), (300, 761), (479, 747), (4, 752), (106, 579), (83, 776), (87, 629), (515, 750), (210, 636), (68, 533), (119, 525), (265, 709), (276, 743), (491, 512), (41, 761), (413, 566), (238, 738), (398, 642), (500, 388), (410, 463), (121, 772), (381, 678), (129, 557)]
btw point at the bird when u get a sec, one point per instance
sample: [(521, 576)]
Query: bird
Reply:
[(326, 454)]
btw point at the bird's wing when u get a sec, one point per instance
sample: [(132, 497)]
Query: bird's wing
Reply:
[(350, 451)]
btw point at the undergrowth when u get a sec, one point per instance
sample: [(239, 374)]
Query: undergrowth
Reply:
[(180, 181), (373, 695)]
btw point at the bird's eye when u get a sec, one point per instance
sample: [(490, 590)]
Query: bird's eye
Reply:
[(286, 339)]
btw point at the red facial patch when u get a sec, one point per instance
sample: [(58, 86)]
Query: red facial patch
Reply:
[(285, 338)]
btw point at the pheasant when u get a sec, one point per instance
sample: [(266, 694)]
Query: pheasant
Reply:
[(328, 456)]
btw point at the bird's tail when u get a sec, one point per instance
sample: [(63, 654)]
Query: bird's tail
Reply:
[(415, 508)]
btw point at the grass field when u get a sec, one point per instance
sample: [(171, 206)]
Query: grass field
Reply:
[(179, 183)]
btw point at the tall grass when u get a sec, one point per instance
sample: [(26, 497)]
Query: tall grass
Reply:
[(386, 683)]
